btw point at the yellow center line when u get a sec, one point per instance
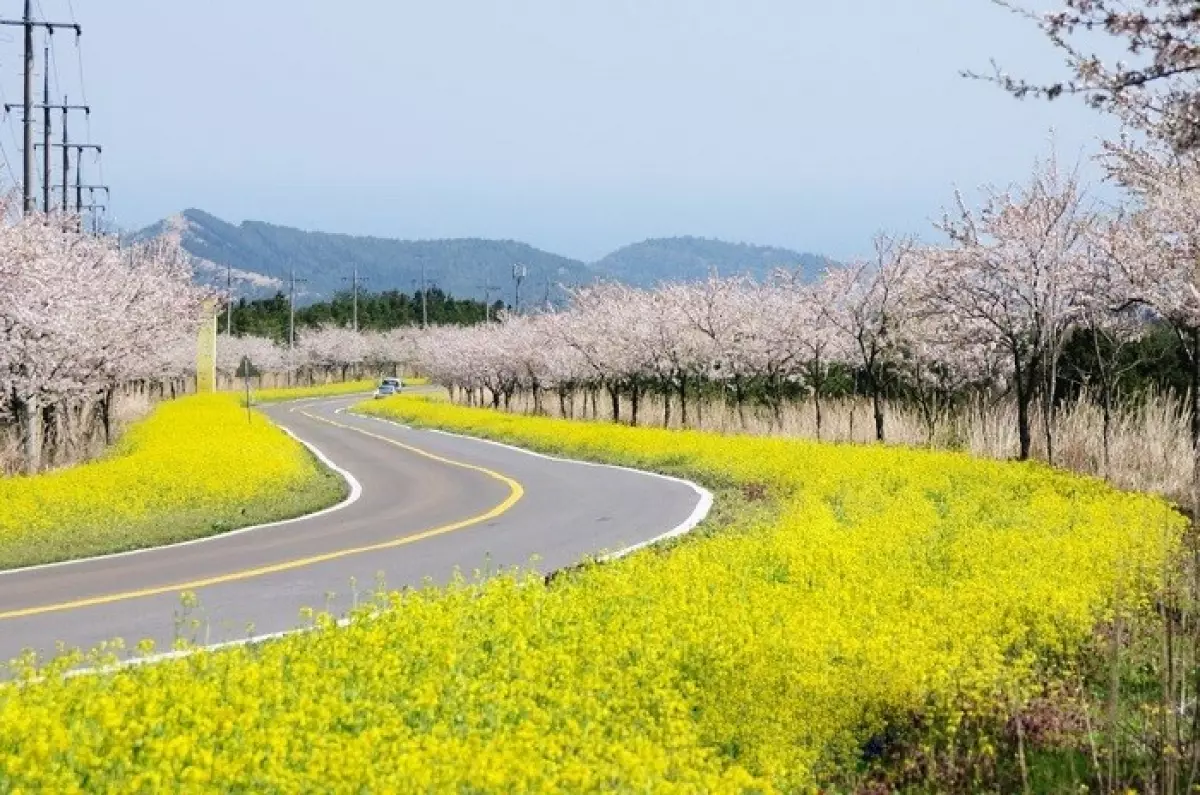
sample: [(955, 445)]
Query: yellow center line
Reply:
[(516, 491)]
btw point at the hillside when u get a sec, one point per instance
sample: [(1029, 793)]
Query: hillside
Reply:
[(261, 256), (692, 258)]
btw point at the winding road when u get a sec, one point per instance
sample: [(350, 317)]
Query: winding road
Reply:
[(422, 504)]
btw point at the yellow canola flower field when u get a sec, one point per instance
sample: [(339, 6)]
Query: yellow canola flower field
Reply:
[(324, 390), (866, 586), (196, 466)]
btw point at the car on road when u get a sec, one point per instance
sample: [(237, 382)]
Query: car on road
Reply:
[(395, 383), (385, 390)]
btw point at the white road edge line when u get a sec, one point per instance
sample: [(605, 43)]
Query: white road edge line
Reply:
[(351, 498), (698, 514), (703, 506)]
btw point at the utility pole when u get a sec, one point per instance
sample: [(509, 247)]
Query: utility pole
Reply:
[(354, 280), (66, 164), (46, 107), (29, 23), (487, 300), (27, 188), (229, 301), (66, 147), (424, 304), (292, 323), (91, 189), (46, 130), (79, 191), (95, 210), (519, 272)]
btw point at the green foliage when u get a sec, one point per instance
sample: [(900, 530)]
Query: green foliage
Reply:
[(376, 311)]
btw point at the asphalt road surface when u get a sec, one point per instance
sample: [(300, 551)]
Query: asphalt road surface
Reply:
[(429, 503)]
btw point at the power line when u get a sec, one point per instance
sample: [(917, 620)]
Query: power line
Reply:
[(46, 106), (53, 64), (4, 155), (28, 25), (78, 54), (12, 132)]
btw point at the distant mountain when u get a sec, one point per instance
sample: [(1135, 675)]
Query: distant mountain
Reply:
[(262, 256), (259, 257), (692, 258)]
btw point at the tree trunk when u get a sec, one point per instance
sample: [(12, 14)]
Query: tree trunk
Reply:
[(106, 415), (615, 394), (1049, 388), (1023, 400), (495, 398), (877, 407), (667, 407), (562, 403), (1106, 394), (778, 404), (740, 399), (817, 406), (683, 418), (635, 399), (1106, 434), (31, 420)]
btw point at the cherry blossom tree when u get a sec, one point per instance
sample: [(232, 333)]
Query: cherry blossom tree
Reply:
[(1151, 82), (869, 303), (79, 315), (819, 343), (680, 349), (1156, 251), (265, 354), (722, 311), (1011, 275)]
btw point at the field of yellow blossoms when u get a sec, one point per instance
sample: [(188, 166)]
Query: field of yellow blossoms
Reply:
[(194, 467), (855, 589)]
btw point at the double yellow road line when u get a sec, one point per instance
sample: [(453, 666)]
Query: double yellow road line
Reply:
[(515, 493)]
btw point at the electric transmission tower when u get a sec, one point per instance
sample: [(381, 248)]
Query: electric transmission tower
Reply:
[(30, 24)]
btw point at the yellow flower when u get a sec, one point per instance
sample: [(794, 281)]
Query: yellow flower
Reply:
[(876, 583)]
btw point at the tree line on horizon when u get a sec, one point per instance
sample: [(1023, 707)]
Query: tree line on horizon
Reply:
[(377, 311)]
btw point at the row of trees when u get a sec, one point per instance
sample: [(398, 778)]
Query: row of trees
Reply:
[(325, 352), (1017, 277), (81, 316), (390, 309)]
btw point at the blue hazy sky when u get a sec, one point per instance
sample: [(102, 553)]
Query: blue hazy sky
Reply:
[(575, 126)]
